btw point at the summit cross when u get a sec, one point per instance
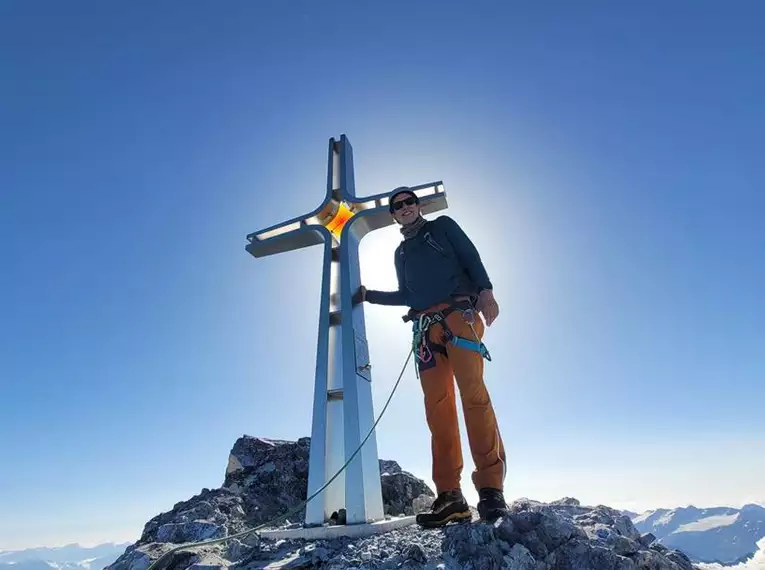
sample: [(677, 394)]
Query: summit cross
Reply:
[(343, 413)]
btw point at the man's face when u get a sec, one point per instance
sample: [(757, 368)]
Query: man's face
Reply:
[(408, 210)]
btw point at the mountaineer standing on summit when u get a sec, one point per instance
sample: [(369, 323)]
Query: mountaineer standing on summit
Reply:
[(441, 278)]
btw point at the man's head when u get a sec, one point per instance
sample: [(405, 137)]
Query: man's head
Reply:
[(404, 206)]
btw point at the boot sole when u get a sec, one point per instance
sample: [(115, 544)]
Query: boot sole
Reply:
[(454, 517)]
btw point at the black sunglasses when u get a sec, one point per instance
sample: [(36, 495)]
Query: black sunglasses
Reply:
[(410, 201)]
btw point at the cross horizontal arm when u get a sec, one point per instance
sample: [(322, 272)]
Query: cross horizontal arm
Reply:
[(425, 192), (305, 236), (367, 214), (372, 213), (290, 225)]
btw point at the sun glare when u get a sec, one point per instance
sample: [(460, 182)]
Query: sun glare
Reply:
[(338, 221), (376, 259)]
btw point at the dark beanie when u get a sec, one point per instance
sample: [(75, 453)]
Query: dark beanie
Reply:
[(401, 190)]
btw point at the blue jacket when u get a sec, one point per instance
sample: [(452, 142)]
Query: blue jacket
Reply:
[(438, 263)]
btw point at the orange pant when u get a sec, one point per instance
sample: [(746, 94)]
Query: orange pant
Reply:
[(437, 379)]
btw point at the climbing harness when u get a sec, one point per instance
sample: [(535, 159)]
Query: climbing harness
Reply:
[(154, 565), (423, 347)]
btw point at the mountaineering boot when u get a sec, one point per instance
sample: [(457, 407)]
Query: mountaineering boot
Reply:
[(491, 504), (449, 506)]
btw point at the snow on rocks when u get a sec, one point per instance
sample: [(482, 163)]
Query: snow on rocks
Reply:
[(210, 514), (534, 536), (264, 479)]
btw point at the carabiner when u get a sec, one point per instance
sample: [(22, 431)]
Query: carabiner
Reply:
[(424, 353), (424, 322), (484, 351)]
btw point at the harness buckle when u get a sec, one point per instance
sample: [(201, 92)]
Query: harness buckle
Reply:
[(423, 321)]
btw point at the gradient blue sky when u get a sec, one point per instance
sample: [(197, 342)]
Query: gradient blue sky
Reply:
[(606, 160)]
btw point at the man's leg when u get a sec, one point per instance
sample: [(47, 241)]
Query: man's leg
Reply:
[(486, 444), (437, 381)]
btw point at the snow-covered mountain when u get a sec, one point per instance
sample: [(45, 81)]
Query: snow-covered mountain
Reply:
[(69, 557), (719, 534)]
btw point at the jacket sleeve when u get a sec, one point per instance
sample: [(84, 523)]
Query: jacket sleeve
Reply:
[(392, 298), (466, 253)]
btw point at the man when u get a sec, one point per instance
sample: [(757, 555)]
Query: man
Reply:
[(442, 280)]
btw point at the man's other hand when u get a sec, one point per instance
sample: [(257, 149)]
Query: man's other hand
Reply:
[(360, 296), (488, 306)]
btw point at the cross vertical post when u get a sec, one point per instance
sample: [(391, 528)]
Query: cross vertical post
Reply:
[(343, 411)]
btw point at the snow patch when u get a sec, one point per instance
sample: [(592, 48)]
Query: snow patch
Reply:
[(709, 523), (757, 562), (643, 517), (666, 518)]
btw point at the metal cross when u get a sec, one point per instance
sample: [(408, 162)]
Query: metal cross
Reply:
[(343, 412)]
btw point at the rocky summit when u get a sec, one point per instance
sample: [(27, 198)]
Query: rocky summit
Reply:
[(265, 478)]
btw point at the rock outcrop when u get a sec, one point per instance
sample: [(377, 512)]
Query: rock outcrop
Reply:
[(270, 476), (401, 491), (263, 480)]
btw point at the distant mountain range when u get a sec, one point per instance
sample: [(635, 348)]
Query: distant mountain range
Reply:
[(721, 534), (69, 557)]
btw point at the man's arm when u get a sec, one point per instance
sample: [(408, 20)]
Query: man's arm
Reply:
[(471, 261), (466, 253), (392, 298)]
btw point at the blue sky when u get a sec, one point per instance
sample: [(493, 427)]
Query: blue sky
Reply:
[(606, 160)]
